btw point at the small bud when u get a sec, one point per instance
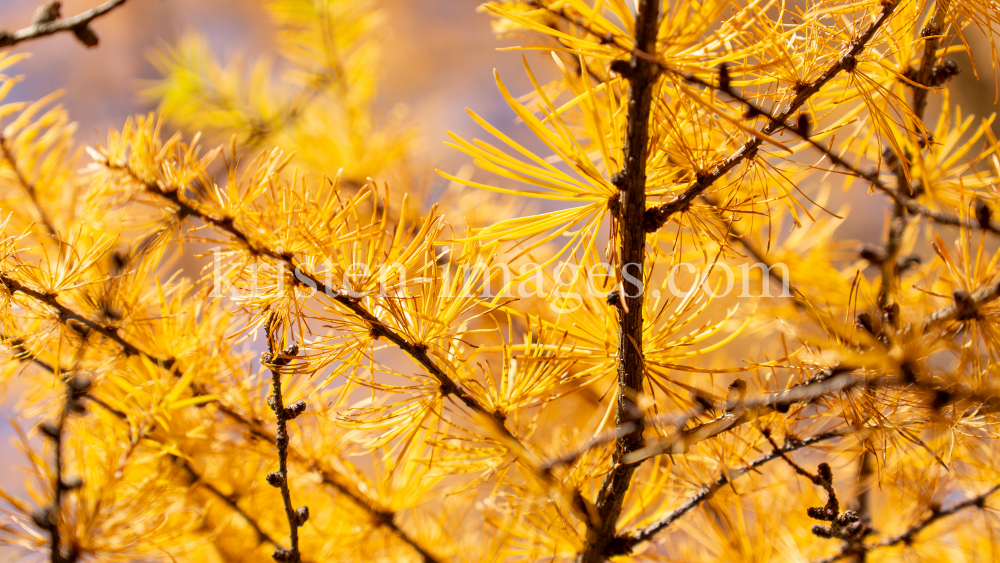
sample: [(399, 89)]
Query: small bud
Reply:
[(823, 532), (825, 473), (892, 314), (71, 483), (817, 512), (907, 263), (614, 299), (282, 555), (941, 400), (46, 13), (704, 403), (301, 515), (965, 305), (43, 518), (850, 63), (272, 402), (76, 407), (275, 479), (943, 73), (865, 321), (725, 81), (50, 430), (294, 410), (983, 214), (873, 254), (737, 392), (622, 68), (848, 517), (119, 260), (804, 125), (86, 35), (925, 139), (79, 384)]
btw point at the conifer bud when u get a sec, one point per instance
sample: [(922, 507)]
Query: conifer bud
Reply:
[(294, 410), (943, 73), (983, 214), (71, 483), (941, 400), (965, 305), (79, 384), (46, 13), (865, 322), (301, 515), (804, 125), (725, 81), (275, 479), (614, 298), (43, 518), (822, 531), (622, 67), (282, 555), (825, 473), (86, 35), (873, 254), (50, 430)]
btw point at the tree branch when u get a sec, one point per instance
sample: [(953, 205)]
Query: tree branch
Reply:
[(79, 25), (631, 181), (296, 517), (381, 516), (657, 216), (625, 543), (907, 537)]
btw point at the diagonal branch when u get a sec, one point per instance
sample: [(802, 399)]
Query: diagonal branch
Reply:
[(908, 536), (657, 216), (416, 351), (78, 24), (381, 516), (487, 418), (626, 542)]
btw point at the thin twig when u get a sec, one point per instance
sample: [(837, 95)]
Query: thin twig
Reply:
[(78, 24), (296, 517), (657, 216), (624, 543), (909, 535)]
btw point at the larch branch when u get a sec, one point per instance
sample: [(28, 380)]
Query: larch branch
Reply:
[(631, 181), (657, 216), (79, 25)]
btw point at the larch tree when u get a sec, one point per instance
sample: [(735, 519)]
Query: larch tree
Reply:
[(643, 341)]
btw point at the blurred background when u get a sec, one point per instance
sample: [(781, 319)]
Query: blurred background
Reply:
[(438, 57)]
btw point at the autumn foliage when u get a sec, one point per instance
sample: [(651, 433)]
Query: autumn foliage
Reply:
[(353, 376)]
